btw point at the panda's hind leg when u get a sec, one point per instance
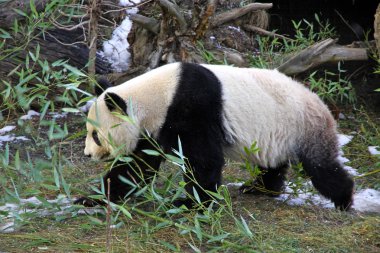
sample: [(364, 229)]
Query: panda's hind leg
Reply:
[(319, 161), (332, 181), (270, 182)]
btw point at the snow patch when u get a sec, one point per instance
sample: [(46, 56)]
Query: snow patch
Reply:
[(238, 184), (367, 200), (6, 129), (301, 197), (115, 50), (57, 115), (234, 28), (61, 206), (87, 106), (10, 137), (374, 150), (30, 114), (351, 171), (344, 139)]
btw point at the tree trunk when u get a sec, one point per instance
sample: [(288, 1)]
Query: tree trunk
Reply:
[(377, 29)]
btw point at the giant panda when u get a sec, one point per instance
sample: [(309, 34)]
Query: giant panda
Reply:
[(216, 111)]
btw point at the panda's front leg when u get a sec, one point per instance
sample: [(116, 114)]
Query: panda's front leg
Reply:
[(204, 174), (139, 172)]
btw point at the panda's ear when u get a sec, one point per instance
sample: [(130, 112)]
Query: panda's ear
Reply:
[(114, 102), (101, 86)]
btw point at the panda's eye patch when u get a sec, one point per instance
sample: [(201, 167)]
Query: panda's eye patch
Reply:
[(96, 138)]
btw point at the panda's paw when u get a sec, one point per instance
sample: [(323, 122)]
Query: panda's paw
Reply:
[(343, 204), (257, 189), (87, 202), (188, 203)]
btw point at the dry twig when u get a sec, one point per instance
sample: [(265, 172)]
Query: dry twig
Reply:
[(265, 32)]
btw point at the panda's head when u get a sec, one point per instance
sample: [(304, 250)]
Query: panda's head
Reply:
[(108, 131)]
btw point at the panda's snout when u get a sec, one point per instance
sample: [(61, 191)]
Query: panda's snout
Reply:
[(86, 153)]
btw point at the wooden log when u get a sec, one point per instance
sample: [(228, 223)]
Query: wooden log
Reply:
[(238, 12), (319, 53), (8, 14), (55, 45)]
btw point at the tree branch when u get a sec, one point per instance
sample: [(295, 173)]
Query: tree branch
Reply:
[(265, 32), (175, 11), (319, 53), (238, 12), (93, 34), (150, 24)]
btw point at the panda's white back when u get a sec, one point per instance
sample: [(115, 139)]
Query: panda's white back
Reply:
[(270, 108)]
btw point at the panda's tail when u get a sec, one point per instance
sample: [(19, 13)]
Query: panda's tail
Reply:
[(319, 160)]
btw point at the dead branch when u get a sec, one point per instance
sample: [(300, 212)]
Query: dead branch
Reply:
[(238, 12), (150, 24), (265, 32), (69, 27), (93, 34), (319, 53), (175, 11), (204, 22)]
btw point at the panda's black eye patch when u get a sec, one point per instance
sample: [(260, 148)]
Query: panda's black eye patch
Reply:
[(96, 138)]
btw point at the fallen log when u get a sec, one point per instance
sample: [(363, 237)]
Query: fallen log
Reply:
[(319, 53)]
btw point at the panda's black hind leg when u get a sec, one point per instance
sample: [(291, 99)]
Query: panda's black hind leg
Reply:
[(270, 183), (332, 181)]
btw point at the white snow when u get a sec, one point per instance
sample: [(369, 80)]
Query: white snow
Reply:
[(87, 106), (303, 197), (6, 129), (374, 150), (237, 184), (115, 50), (33, 205), (234, 28), (344, 139), (367, 200), (29, 115), (10, 137), (57, 115)]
